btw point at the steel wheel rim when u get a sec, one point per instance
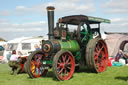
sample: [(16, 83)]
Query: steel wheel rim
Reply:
[(101, 56), (35, 66), (65, 66)]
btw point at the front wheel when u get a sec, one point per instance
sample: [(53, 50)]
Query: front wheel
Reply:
[(33, 65), (63, 65)]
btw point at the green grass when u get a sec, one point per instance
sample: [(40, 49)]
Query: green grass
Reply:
[(112, 76)]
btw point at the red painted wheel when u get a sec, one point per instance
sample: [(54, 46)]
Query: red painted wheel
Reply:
[(33, 65), (22, 67), (63, 65), (97, 55), (22, 63)]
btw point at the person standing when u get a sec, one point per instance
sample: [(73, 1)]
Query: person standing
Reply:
[(14, 63), (36, 47), (126, 58)]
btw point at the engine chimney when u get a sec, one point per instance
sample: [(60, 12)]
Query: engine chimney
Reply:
[(50, 12)]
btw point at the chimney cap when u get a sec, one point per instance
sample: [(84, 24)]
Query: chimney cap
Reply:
[(50, 8)]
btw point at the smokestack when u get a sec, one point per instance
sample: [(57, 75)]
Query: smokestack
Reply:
[(50, 12)]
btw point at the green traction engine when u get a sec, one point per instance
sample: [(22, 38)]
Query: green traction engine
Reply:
[(74, 42)]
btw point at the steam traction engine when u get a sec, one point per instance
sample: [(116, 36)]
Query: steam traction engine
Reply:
[(66, 49)]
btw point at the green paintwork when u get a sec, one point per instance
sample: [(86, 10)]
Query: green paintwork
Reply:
[(84, 33), (90, 18), (71, 45), (78, 55), (87, 35), (48, 62), (68, 36)]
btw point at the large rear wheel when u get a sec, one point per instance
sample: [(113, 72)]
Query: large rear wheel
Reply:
[(97, 55), (33, 65), (63, 65)]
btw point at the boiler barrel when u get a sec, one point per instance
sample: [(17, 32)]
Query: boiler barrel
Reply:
[(71, 45)]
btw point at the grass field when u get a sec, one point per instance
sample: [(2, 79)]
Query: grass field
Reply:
[(112, 76)]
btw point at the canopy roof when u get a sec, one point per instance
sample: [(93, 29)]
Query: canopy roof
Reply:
[(76, 19)]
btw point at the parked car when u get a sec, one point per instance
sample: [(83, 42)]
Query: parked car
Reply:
[(2, 43)]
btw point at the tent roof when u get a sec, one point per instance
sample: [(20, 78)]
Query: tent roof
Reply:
[(114, 41)]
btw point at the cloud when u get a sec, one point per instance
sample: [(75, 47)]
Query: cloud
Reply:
[(120, 20), (5, 13), (11, 31), (74, 7), (117, 25), (116, 7), (118, 11), (22, 10), (3, 20), (33, 26), (64, 7)]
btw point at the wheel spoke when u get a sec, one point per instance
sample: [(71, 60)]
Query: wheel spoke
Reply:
[(58, 67), (95, 53), (39, 71), (97, 49), (60, 60), (38, 58), (67, 60), (69, 68), (33, 68), (58, 63), (101, 48), (69, 63), (96, 58), (63, 57), (98, 46), (61, 70), (65, 72), (104, 59)]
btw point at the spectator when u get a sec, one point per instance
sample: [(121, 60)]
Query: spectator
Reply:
[(9, 56), (36, 47), (119, 55), (14, 64), (126, 58), (4, 46)]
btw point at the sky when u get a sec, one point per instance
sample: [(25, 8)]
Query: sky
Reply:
[(25, 18)]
